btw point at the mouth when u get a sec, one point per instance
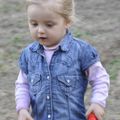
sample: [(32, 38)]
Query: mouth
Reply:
[(42, 38)]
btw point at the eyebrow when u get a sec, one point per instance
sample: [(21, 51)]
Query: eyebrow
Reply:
[(45, 21), (31, 20)]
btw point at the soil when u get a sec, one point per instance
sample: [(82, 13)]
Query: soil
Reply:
[(98, 21)]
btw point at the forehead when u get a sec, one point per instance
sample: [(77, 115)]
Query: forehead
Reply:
[(35, 11)]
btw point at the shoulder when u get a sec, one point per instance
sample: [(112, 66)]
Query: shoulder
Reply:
[(88, 54), (29, 47), (26, 51), (81, 44), (85, 48)]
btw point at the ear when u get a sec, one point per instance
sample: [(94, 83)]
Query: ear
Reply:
[(68, 24)]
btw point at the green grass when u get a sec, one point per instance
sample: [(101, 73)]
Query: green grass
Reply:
[(81, 33), (78, 33), (11, 7), (11, 53), (19, 40), (113, 67), (12, 48)]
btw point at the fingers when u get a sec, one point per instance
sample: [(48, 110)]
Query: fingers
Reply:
[(30, 118), (99, 117), (25, 118), (24, 115), (97, 110), (89, 111), (99, 114)]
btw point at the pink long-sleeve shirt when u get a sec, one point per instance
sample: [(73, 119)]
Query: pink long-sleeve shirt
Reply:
[(97, 77)]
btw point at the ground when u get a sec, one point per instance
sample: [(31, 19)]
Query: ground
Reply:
[(97, 22)]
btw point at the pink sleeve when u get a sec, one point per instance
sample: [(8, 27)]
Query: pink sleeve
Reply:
[(99, 80), (22, 97)]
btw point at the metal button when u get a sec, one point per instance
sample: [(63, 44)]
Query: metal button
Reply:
[(48, 97), (68, 81), (32, 80), (49, 116), (48, 77)]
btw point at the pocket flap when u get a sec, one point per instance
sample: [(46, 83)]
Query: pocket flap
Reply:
[(67, 80), (35, 78)]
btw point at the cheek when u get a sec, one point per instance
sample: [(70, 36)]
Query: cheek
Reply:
[(32, 32)]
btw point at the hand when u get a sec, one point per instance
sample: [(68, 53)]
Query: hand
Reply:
[(97, 110), (24, 115)]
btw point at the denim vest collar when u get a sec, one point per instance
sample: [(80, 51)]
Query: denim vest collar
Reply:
[(64, 44)]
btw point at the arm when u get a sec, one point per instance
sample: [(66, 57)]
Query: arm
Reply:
[(99, 80), (22, 97)]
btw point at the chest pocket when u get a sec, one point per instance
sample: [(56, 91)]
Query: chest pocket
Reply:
[(35, 83), (67, 83)]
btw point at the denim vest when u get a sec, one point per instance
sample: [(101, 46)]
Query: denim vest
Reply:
[(57, 91)]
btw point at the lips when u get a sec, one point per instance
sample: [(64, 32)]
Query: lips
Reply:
[(42, 38)]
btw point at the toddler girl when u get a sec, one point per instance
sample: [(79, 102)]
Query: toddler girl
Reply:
[(56, 68)]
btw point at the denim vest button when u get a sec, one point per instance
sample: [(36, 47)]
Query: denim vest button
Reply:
[(48, 97), (32, 81), (48, 77), (68, 81), (49, 116)]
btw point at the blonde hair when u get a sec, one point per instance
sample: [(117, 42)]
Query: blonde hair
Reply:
[(66, 8)]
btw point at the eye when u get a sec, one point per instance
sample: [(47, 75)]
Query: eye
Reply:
[(49, 25), (34, 24)]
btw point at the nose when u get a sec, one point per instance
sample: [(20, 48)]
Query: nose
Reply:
[(41, 30)]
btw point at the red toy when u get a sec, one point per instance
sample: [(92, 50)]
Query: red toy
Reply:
[(92, 117)]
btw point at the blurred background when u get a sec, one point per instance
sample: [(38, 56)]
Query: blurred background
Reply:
[(98, 22)]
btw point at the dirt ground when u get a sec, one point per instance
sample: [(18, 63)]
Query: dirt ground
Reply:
[(98, 22)]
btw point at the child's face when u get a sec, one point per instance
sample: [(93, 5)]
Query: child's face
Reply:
[(45, 25)]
